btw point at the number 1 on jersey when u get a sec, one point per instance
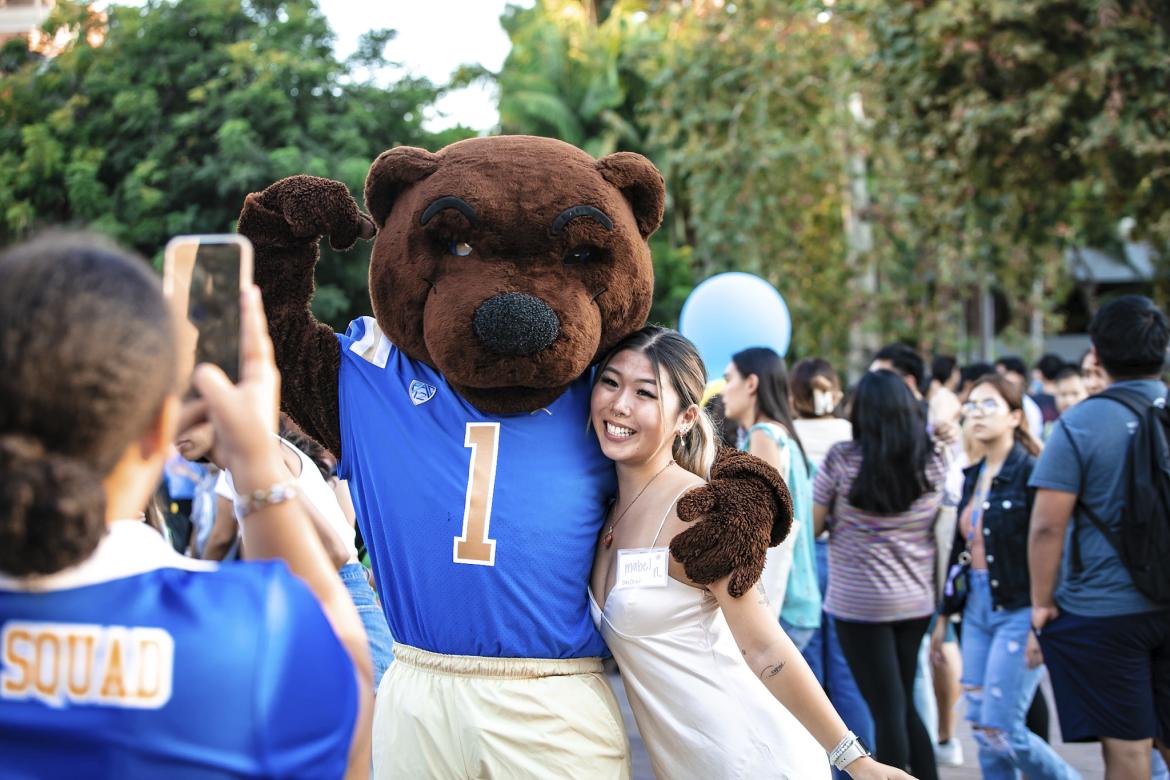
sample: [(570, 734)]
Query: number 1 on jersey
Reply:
[(474, 546)]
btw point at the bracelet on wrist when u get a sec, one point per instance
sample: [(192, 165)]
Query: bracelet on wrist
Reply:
[(848, 750), (249, 503)]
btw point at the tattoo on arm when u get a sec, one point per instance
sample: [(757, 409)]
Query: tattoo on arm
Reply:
[(763, 594), (772, 670)]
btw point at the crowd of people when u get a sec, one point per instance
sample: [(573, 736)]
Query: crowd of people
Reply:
[(979, 507), (954, 530)]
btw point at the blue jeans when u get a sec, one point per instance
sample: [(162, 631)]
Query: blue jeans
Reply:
[(356, 580), (993, 645), (799, 636), (824, 657)]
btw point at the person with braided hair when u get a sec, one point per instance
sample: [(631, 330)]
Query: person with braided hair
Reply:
[(119, 657)]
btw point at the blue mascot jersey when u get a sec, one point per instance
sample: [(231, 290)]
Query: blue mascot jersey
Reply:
[(140, 663), (481, 528)]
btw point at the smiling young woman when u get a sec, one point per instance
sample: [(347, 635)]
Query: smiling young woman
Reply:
[(688, 653)]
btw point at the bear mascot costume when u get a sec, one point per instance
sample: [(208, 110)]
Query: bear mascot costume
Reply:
[(503, 268)]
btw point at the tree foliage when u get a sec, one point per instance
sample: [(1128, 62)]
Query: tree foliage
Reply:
[(1029, 126), (877, 160), (996, 133), (163, 119)]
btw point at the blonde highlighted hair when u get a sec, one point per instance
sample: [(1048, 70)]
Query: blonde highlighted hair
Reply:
[(675, 360)]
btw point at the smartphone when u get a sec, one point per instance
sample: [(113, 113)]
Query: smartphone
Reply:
[(202, 279)]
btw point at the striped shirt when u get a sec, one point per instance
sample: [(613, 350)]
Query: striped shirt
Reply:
[(881, 567)]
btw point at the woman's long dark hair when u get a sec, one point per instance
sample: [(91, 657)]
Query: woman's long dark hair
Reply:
[(772, 399), (889, 426)]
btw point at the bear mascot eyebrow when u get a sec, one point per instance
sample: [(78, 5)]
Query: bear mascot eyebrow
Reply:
[(503, 268)]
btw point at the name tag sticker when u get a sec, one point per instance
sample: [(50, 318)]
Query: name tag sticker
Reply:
[(646, 567)]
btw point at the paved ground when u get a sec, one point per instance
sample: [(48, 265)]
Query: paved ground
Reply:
[(1085, 758)]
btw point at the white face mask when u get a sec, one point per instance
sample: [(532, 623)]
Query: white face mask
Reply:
[(822, 402)]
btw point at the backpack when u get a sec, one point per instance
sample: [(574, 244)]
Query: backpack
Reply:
[(1142, 538)]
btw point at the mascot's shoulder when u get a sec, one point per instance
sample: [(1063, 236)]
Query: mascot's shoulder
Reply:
[(366, 340)]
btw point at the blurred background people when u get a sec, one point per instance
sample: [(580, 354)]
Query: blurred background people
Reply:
[(1070, 388), (879, 496), (1016, 372), (991, 541), (329, 522), (756, 397), (816, 396), (1092, 373), (1105, 641)]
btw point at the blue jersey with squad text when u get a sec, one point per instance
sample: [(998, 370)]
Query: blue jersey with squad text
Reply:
[(133, 665), (481, 528)]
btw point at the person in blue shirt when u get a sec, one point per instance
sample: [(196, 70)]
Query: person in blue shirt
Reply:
[(119, 658), (1106, 645)]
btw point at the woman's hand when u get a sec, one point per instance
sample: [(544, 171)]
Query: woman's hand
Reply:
[(1042, 616), (937, 637), (868, 769), (1032, 653), (244, 415)]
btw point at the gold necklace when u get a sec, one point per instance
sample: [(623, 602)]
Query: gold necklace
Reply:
[(607, 540)]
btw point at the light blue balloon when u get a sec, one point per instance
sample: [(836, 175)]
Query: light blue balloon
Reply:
[(733, 311)]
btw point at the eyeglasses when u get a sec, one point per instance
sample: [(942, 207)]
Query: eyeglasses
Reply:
[(986, 408)]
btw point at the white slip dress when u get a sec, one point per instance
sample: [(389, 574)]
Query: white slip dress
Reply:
[(699, 708)]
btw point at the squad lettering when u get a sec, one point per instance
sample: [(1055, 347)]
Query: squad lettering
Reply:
[(80, 663)]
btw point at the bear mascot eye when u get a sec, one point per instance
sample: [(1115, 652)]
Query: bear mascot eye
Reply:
[(460, 248), (582, 254)]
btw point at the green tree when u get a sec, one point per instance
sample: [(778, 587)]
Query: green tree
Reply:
[(162, 118), (1028, 126), (743, 114), (571, 76)]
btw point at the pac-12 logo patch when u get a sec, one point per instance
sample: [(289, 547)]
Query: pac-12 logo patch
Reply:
[(421, 392)]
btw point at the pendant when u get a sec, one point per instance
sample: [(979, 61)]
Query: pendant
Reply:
[(607, 540)]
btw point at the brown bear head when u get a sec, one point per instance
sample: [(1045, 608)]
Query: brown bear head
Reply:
[(511, 263)]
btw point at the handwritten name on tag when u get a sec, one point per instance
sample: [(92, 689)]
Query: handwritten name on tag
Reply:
[(645, 567)]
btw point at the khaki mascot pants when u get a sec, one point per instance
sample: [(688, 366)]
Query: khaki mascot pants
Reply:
[(450, 716)]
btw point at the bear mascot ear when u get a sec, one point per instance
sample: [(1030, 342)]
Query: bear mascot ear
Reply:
[(640, 183), (390, 175)]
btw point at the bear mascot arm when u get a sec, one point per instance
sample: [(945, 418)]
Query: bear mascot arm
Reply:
[(285, 223)]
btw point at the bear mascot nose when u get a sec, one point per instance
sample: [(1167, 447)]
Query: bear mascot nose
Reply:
[(516, 324)]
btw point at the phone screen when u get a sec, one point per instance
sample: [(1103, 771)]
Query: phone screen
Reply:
[(203, 276)]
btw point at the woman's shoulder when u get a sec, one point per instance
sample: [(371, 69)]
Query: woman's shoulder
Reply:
[(682, 484), (672, 493), (769, 430), (1024, 461)]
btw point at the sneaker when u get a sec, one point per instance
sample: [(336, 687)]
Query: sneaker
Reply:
[(949, 753)]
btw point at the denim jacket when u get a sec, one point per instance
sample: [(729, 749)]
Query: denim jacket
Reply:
[(1006, 516)]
